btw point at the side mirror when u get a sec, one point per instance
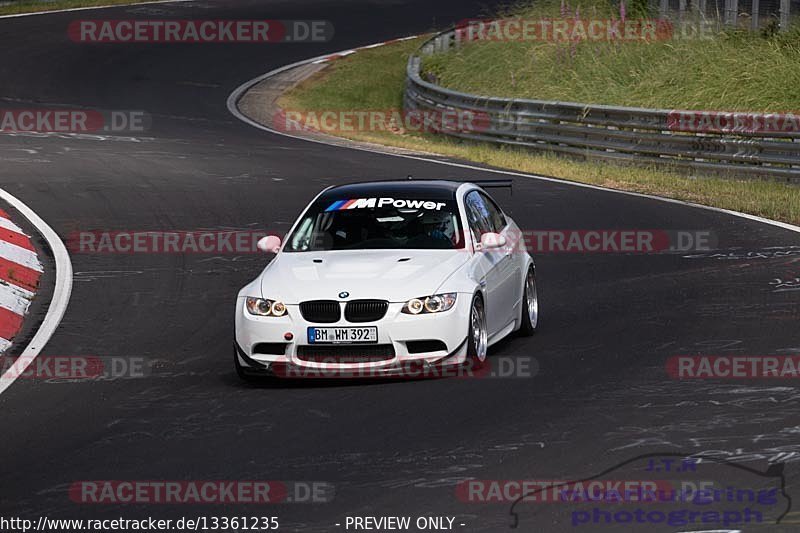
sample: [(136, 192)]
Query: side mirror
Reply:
[(269, 244), (490, 241)]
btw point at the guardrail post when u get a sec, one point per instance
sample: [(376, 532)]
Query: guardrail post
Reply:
[(701, 7), (785, 9), (663, 8), (442, 44), (731, 12), (754, 12)]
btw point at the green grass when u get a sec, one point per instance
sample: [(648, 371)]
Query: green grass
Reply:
[(371, 79), (734, 71), (28, 6), (374, 79)]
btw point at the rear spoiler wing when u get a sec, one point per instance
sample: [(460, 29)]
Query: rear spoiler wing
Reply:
[(486, 184), (495, 184), (492, 184)]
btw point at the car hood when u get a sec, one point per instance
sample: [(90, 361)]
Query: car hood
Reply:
[(393, 275)]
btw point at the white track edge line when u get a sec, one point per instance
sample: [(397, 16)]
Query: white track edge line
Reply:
[(235, 96), (87, 8), (61, 293)]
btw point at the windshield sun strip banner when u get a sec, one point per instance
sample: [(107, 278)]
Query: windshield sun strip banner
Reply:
[(372, 203)]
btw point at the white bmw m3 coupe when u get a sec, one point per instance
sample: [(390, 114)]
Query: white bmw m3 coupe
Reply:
[(375, 277)]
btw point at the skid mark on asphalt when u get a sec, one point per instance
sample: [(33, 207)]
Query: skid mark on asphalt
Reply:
[(708, 417), (785, 285), (76, 136), (104, 274), (738, 254)]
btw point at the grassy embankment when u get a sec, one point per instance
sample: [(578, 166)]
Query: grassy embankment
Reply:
[(731, 71)]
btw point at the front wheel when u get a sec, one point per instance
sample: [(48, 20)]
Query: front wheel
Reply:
[(477, 343), (530, 305)]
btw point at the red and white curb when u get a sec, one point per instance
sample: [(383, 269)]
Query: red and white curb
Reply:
[(19, 277), (20, 270)]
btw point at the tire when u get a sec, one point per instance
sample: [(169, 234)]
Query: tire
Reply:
[(529, 320), (477, 337)]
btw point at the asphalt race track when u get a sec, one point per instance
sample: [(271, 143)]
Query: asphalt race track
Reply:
[(609, 322)]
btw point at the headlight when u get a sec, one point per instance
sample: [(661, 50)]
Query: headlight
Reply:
[(260, 307), (430, 304)]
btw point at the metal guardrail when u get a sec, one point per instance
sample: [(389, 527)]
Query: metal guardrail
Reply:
[(601, 132)]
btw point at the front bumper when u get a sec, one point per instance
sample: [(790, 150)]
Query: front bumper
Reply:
[(395, 329)]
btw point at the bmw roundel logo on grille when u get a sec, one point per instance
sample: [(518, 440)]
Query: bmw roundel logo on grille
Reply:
[(344, 294)]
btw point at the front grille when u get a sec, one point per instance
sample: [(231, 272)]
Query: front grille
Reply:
[(346, 354), (365, 310), (321, 311), (425, 346)]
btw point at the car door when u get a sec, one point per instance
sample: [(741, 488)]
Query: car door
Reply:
[(488, 263), (509, 271)]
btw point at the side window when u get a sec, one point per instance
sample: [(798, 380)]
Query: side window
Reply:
[(496, 217), (302, 236), (477, 215)]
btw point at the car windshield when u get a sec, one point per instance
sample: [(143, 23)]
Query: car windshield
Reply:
[(378, 223)]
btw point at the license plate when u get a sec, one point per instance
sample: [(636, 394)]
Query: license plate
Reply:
[(342, 335)]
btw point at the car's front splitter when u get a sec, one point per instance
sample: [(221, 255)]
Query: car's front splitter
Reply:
[(451, 365)]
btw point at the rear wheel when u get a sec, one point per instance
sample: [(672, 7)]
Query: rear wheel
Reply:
[(530, 305), (477, 343)]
